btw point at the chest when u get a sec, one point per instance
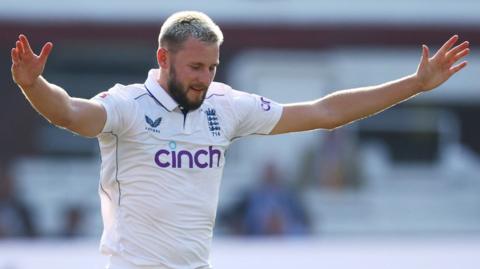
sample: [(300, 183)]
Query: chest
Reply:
[(204, 126), (172, 139)]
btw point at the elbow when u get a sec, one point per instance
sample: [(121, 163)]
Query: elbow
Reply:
[(63, 121), (332, 126), (335, 123), (64, 117), (328, 119)]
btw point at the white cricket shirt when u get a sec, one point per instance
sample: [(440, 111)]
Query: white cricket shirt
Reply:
[(161, 169)]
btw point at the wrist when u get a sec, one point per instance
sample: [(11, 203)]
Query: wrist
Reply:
[(29, 86), (417, 84)]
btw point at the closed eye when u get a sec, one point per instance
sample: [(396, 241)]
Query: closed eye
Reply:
[(195, 67)]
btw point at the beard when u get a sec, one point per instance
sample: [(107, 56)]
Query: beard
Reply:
[(179, 93)]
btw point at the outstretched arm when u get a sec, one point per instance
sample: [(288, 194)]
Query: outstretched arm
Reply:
[(81, 116), (342, 107)]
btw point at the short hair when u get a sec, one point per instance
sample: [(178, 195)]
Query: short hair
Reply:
[(185, 24)]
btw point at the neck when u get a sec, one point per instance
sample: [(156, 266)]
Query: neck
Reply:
[(162, 80)]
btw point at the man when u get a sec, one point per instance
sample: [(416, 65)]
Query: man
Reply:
[(163, 142)]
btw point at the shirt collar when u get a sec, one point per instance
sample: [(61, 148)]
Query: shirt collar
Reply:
[(158, 93)]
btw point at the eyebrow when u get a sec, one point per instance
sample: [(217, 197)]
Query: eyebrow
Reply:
[(200, 63)]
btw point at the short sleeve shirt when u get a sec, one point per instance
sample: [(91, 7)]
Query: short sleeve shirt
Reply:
[(161, 168)]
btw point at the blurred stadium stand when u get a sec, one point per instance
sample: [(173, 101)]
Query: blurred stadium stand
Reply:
[(412, 171)]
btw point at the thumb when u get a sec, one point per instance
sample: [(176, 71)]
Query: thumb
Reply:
[(425, 54), (47, 48)]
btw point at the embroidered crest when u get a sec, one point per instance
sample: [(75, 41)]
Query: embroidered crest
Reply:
[(213, 124)]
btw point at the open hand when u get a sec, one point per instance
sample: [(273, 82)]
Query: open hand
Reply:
[(434, 71), (26, 65)]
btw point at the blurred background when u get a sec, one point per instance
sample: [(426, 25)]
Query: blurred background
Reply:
[(399, 189)]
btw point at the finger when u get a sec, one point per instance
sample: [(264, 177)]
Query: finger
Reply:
[(457, 49), (19, 47), (460, 55), (425, 54), (15, 58), (25, 43), (47, 48), (458, 67), (448, 44), (17, 51)]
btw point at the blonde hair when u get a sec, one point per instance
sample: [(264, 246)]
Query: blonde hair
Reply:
[(185, 24)]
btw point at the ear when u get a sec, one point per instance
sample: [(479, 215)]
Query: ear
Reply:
[(162, 58)]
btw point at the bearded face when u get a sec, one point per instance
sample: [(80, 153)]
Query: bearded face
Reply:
[(190, 97), (188, 71)]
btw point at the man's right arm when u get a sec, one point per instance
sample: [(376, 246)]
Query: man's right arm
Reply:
[(81, 116)]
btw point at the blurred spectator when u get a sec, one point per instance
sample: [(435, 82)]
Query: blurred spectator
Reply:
[(73, 222), (333, 164), (15, 219), (232, 220), (273, 209)]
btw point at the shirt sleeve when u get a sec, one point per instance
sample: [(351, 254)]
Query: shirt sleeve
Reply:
[(255, 114), (118, 107)]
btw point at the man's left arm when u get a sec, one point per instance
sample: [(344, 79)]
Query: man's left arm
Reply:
[(343, 107)]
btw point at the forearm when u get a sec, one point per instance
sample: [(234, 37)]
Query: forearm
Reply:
[(349, 105), (346, 106), (50, 100)]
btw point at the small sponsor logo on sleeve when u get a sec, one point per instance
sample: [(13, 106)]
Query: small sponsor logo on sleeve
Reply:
[(265, 104), (103, 94)]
